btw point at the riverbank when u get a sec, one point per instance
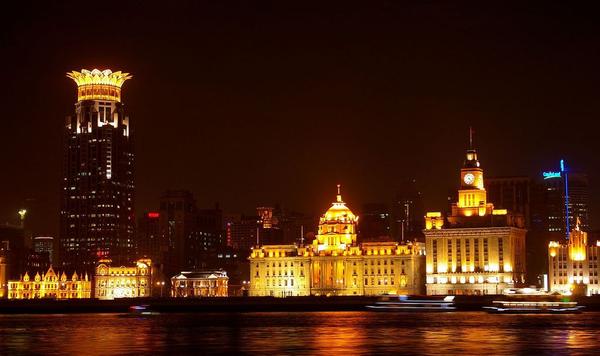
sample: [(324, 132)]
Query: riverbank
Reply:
[(234, 304)]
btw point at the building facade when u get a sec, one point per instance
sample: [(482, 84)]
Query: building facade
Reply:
[(200, 284), (476, 249), (50, 285), (573, 265), (335, 264), (112, 282), (97, 216)]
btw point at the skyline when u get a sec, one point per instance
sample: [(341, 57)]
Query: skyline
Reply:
[(207, 120)]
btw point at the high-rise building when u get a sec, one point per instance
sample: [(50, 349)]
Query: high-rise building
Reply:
[(476, 249), (242, 233), (565, 199), (97, 216), (375, 223), (511, 193), (44, 245), (177, 221), (407, 212), (148, 237)]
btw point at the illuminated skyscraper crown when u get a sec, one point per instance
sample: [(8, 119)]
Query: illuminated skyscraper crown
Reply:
[(99, 85)]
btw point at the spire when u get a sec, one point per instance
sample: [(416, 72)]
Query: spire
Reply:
[(470, 137), (339, 193)]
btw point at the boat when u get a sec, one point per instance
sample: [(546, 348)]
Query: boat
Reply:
[(403, 303), (533, 307), (143, 309)]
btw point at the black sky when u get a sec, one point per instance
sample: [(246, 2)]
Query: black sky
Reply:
[(272, 102)]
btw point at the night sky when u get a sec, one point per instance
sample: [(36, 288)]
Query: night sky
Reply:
[(262, 103)]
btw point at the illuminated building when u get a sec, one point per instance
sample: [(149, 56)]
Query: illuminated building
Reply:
[(97, 217), (113, 282), (50, 285), (3, 274), (573, 265), (200, 284), (476, 249), (335, 264)]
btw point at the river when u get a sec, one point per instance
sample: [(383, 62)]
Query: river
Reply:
[(330, 333)]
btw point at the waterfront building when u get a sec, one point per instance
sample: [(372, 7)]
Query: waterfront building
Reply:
[(476, 249), (335, 264), (97, 215), (200, 284), (573, 264), (50, 285), (133, 281)]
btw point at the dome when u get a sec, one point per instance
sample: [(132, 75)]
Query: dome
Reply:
[(339, 211)]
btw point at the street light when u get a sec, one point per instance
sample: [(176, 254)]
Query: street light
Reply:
[(162, 285)]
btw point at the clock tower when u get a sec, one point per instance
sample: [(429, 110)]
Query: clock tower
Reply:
[(472, 197)]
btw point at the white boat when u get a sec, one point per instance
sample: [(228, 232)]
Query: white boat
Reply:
[(533, 307), (403, 303)]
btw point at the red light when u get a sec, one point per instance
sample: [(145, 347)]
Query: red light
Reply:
[(153, 215)]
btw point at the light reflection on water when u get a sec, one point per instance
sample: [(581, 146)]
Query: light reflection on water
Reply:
[(305, 333)]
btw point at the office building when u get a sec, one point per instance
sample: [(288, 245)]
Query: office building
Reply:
[(573, 264), (336, 264), (97, 216), (476, 249), (200, 284), (50, 285), (132, 281), (375, 223)]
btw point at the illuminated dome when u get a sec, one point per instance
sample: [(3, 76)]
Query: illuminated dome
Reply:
[(338, 212), (99, 84), (337, 227)]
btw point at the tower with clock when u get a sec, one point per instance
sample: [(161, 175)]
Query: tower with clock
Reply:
[(472, 197)]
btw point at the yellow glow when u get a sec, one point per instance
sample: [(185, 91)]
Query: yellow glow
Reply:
[(97, 84), (434, 214), (499, 212)]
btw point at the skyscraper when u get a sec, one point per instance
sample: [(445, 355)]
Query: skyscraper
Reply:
[(97, 217)]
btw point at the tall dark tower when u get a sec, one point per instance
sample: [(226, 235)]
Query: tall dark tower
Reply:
[(97, 217)]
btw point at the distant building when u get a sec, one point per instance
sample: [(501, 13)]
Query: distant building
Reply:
[(335, 264), (50, 285), (477, 249), (200, 284), (13, 250), (133, 281), (149, 238), (375, 223), (557, 204), (407, 213), (97, 201), (177, 221), (574, 265), (242, 233), (512, 194), (44, 245)]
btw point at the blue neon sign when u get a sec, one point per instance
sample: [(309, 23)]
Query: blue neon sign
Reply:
[(550, 175)]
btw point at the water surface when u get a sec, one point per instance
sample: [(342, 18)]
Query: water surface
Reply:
[(301, 333)]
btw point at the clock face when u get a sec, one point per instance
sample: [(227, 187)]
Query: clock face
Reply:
[(469, 178)]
